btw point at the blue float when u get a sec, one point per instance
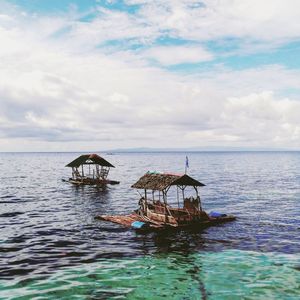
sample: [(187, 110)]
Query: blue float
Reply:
[(138, 224)]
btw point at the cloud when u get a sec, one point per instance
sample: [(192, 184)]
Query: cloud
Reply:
[(212, 19), (62, 89), (97, 101), (178, 55), (255, 26), (274, 120)]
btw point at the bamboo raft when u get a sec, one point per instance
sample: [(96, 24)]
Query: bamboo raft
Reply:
[(154, 212), (88, 181), (149, 225)]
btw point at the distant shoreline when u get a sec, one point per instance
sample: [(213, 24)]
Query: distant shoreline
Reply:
[(125, 151)]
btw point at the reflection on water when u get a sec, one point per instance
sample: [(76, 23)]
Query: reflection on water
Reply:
[(48, 226)]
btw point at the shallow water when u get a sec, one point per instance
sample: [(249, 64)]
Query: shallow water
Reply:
[(51, 246)]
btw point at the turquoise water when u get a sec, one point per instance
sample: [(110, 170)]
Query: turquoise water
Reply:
[(51, 246), (223, 275)]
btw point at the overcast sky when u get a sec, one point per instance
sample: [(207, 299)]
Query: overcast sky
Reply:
[(93, 75)]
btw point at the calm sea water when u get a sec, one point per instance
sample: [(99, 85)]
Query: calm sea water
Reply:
[(52, 248)]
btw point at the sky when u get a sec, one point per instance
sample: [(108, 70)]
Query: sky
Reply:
[(105, 74)]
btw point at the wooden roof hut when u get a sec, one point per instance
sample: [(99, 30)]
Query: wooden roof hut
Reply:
[(155, 213), (161, 181), (158, 209), (88, 159), (96, 173)]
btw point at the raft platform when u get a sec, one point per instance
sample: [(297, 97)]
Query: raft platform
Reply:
[(93, 182), (140, 223)]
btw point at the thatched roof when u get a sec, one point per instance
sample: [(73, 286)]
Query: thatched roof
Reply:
[(89, 159), (160, 181)]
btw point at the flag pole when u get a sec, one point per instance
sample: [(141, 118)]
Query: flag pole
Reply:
[(186, 164)]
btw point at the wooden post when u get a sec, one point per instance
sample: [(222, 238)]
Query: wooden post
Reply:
[(177, 196), (198, 198), (146, 204), (165, 203), (200, 203)]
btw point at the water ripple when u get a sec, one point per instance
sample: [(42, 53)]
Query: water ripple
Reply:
[(48, 225)]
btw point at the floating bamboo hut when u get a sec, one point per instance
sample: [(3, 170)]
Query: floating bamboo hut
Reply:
[(156, 212), (90, 169)]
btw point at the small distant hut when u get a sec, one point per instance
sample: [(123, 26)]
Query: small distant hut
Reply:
[(90, 169)]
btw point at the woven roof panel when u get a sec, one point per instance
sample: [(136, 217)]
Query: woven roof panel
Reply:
[(94, 159), (159, 182)]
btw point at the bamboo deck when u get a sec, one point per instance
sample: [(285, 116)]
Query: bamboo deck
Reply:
[(123, 220), (92, 182), (127, 220)]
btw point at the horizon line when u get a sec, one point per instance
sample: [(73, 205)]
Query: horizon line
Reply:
[(158, 151)]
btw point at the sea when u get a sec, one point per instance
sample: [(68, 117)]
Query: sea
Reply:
[(52, 247)]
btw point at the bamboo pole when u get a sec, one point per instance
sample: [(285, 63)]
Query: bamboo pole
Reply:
[(165, 203), (177, 196), (146, 204)]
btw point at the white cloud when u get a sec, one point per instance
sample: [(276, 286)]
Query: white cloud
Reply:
[(264, 119), (109, 25), (62, 93), (211, 19), (178, 54), (255, 25), (95, 101)]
